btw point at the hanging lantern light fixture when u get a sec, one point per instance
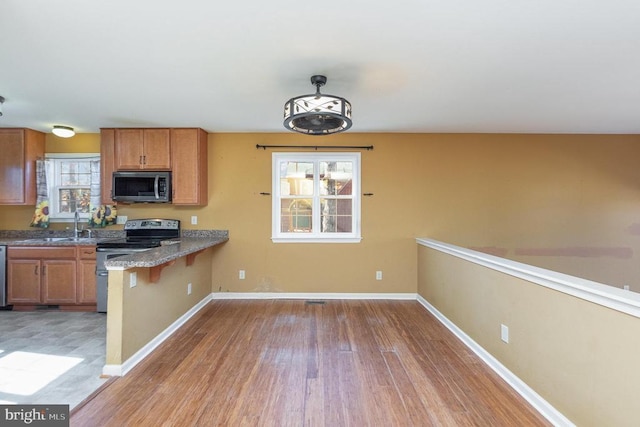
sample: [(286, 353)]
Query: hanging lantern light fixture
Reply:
[(317, 114)]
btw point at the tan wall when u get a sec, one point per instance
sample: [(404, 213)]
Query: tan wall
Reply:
[(571, 202), (139, 314), (579, 356)]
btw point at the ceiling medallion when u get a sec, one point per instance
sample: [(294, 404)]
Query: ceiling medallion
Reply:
[(317, 114)]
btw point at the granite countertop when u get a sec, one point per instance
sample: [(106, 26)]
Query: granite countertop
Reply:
[(189, 242), (35, 241), (169, 251), (37, 237)]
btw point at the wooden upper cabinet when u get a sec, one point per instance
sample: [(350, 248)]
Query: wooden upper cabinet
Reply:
[(142, 149), (20, 148), (183, 151), (189, 172)]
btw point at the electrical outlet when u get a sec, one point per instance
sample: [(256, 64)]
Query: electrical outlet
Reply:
[(379, 275), (133, 279), (121, 219), (504, 333), (626, 287), (241, 275), (188, 288), (194, 219)]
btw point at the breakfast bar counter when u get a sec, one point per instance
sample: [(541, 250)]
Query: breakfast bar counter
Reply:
[(170, 250)]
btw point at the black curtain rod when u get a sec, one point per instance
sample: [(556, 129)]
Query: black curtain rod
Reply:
[(319, 147)]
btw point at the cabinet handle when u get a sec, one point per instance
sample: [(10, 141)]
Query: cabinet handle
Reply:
[(144, 160), (44, 270), (35, 270), (140, 161)]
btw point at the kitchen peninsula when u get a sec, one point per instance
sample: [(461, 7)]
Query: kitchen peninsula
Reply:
[(152, 293)]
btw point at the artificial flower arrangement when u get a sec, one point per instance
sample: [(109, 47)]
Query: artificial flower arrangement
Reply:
[(103, 215)]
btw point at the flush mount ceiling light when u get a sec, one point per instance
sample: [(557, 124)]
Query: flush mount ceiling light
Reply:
[(317, 114), (63, 131)]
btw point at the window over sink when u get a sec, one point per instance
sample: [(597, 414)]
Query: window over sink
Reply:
[(71, 179)]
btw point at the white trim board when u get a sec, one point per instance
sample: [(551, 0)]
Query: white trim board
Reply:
[(608, 296), (311, 295), (540, 404)]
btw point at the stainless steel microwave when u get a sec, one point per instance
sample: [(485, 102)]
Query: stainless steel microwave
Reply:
[(142, 187)]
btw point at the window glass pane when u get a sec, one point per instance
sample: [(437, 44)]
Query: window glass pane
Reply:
[(336, 215), (72, 199), (84, 167), (335, 178), (75, 173), (296, 215), (296, 178)]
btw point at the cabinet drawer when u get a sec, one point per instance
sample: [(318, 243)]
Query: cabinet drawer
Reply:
[(86, 252), (39, 252)]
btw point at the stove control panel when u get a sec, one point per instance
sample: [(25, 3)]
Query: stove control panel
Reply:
[(152, 224)]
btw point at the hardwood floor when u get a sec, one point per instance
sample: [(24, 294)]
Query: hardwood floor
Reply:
[(291, 363)]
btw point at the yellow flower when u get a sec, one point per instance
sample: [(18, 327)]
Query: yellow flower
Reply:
[(41, 215)]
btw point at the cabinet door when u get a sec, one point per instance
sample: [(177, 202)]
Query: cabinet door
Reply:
[(129, 148), (157, 149), (20, 148), (59, 281), (23, 281), (189, 167), (86, 275), (86, 282)]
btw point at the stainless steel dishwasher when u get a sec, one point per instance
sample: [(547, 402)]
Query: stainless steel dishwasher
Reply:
[(3, 276)]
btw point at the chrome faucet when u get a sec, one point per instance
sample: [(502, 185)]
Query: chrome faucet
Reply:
[(76, 230)]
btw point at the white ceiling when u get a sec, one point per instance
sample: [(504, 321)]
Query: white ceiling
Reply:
[(533, 66)]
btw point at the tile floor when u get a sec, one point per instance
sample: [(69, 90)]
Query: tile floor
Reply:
[(50, 357)]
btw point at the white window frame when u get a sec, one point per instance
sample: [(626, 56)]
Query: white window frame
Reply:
[(53, 183), (278, 236)]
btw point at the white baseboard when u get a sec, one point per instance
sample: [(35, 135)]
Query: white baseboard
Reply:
[(311, 295), (539, 403), (130, 363)]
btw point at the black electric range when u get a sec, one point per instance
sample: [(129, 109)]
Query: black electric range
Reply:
[(143, 234)]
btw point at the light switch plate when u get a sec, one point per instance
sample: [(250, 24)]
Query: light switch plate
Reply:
[(122, 219)]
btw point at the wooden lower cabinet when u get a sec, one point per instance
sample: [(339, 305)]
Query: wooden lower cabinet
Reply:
[(86, 291), (24, 281), (50, 275), (59, 281)]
